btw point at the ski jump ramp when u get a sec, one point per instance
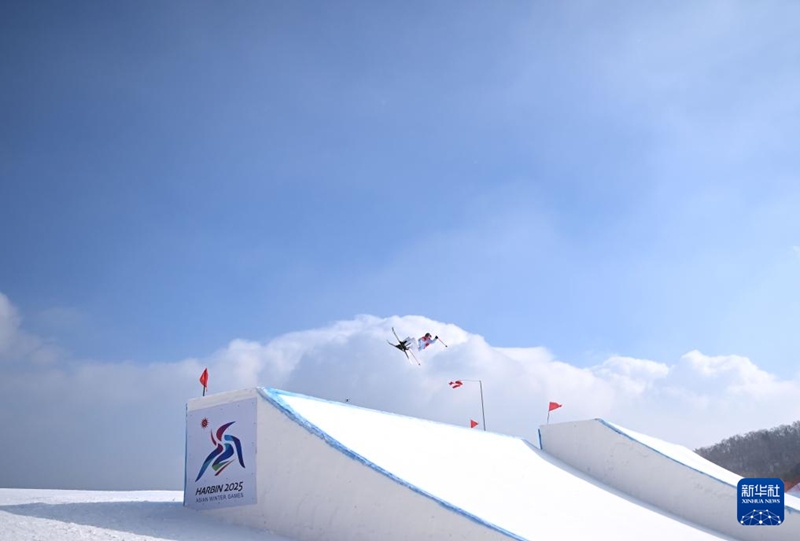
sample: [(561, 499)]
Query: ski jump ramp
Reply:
[(665, 475), (311, 469)]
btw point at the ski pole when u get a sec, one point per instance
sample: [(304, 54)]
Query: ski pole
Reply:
[(442, 341)]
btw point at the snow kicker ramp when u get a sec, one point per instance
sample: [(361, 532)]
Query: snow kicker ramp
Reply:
[(310, 469), (665, 475)]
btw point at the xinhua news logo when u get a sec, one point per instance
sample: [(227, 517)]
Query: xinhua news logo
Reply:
[(761, 502)]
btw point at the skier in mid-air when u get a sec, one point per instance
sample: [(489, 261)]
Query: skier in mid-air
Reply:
[(421, 343)]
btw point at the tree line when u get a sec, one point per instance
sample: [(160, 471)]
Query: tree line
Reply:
[(773, 452)]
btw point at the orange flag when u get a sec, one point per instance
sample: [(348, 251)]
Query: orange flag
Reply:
[(473, 424)]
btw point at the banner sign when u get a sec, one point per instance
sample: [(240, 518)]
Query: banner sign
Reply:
[(221, 456)]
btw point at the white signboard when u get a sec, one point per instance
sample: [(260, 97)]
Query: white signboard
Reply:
[(221, 456)]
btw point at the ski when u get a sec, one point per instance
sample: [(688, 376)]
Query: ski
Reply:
[(399, 345)]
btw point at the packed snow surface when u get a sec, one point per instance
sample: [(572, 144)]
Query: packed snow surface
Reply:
[(67, 515), (681, 454), (695, 461), (500, 479)]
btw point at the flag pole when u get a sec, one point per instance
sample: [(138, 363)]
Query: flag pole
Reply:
[(204, 380), (483, 411), (548, 415)]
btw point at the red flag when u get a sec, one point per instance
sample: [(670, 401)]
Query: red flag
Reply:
[(204, 378), (473, 424), (456, 384), (554, 406)]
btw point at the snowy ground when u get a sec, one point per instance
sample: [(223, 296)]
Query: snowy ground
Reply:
[(66, 515), (500, 479)]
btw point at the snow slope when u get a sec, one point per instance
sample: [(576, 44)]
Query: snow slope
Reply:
[(503, 484), (66, 515), (667, 476), (503, 481)]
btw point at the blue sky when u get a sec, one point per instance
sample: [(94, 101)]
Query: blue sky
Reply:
[(594, 178), (266, 188)]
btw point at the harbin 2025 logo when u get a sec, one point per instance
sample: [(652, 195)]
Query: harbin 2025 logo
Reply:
[(227, 448), (760, 502)]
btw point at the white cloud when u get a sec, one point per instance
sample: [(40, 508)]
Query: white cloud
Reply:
[(734, 370), (66, 412), (9, 323), (17, 345), (632, 376)]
